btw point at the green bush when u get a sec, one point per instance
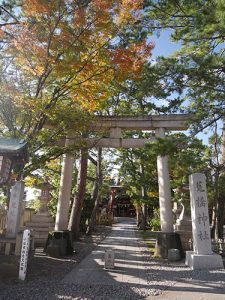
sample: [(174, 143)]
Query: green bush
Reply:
[(154, 222)]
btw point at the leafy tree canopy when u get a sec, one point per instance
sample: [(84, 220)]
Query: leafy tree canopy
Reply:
[(59, 59), (197, 69)]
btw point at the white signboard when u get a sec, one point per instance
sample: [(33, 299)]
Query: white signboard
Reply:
[(14, 212), (24, 254), (200, 214)]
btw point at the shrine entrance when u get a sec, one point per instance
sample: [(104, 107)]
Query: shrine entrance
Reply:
[(124, 207), (120, 203), (111, 132)]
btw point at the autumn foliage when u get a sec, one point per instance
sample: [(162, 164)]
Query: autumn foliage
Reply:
[(68, 52)]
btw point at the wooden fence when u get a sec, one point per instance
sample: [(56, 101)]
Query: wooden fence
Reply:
[(26, 217)]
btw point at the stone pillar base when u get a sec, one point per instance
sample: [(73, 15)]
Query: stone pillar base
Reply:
[(203, 261), (185, 237), (166, 241), (41, 224)]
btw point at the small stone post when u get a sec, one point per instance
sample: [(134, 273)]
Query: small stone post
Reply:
[(202, 257), (109, 259)]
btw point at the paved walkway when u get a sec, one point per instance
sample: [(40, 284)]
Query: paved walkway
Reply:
[(131, 269), (190, 291), (129, 265)]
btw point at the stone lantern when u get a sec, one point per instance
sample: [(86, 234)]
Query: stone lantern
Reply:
[(183, 224), (42, 222), (184, 220), (45, 197)]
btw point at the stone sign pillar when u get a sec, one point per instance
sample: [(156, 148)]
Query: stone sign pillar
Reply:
[(166, 215), (202, 257), (15, 207)]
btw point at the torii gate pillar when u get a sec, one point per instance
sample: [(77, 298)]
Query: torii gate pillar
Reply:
[(165, 204), (115, 125), (63, 206)]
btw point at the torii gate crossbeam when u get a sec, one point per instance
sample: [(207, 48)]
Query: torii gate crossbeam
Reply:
[(150, 122), (115, 125)]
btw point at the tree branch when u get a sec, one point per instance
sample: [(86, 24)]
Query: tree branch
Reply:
[(9, 13)]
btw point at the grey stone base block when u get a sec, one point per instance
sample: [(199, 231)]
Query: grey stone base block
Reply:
[(53, 250), (203, 261), (59, 243), (166, 241), (183, 225), (41, 218), (185, 237), (174, 255)]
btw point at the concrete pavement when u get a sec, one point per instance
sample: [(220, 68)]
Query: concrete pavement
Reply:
[(190, 291), (131, 270), (129, 265)]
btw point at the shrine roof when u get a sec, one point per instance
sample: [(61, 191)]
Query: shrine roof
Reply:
[(13, 147)]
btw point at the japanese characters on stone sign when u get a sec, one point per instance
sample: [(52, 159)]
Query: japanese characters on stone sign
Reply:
[(24, 254), (109, 259), (200, 215)]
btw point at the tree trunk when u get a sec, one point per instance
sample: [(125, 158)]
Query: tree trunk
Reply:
[(216, 204), (143, 223), (218, 207), (220, 219), (95, 194), (222, 161), (221, 204), (218, 211), (74, 222)]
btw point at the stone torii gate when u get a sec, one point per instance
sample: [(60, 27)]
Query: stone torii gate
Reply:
[(115, 125)]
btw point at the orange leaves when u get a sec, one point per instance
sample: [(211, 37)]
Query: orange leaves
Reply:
[(30, 55), (2, 33), (64, 44), (102, 4), (132, 4), (129, 11), (80, 17), (122, 58), (4, 30), (129, 61), (34, 7)]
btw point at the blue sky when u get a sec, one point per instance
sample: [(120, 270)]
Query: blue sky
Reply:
[(165, 47)]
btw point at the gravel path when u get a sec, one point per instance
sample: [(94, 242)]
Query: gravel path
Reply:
[(45, 277)]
